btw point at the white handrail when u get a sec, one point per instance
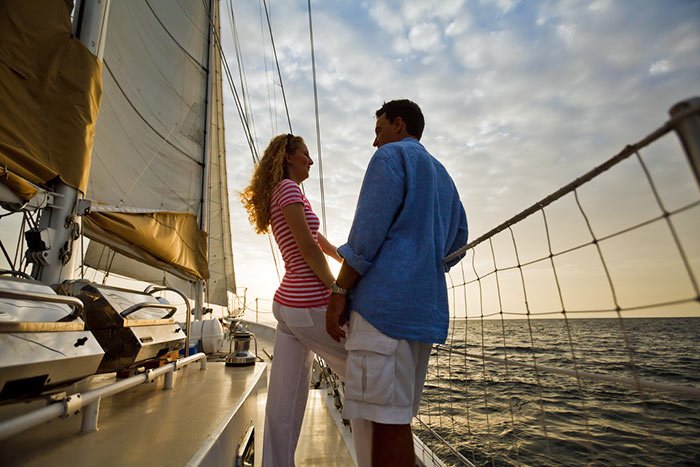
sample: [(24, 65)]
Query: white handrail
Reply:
[(90, 400)]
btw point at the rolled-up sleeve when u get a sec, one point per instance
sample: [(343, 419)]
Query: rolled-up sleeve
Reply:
[(459, 234), (381, 197)]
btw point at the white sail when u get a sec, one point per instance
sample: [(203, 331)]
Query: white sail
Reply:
[(150, 144)]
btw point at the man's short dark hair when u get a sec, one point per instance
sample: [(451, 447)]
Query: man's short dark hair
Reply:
[(409, 112)]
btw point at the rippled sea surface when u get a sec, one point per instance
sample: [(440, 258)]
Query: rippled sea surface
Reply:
[(497, 415)]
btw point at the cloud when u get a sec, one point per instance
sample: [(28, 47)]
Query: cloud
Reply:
[(504, 6), (425, 37), (659, 67)]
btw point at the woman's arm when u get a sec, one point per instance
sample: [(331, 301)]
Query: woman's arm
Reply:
[(328, 248), (310, 250)]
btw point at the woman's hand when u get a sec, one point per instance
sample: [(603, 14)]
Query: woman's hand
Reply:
[(328, 248)]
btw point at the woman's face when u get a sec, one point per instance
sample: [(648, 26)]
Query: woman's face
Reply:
[(299, 163)]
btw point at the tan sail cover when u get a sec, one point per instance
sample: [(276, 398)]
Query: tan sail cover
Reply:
[(19, 186), (163, 236), (149, 147), (50, 88)]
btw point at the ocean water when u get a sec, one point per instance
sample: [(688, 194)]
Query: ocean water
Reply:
[(521, 416)]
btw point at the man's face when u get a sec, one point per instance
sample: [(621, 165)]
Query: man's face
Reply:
[(386, 131)]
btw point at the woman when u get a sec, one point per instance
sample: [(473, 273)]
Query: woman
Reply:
[(274, 200)]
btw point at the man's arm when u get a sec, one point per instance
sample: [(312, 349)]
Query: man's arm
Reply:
[(460, 233), (347, 278), (380, 200)]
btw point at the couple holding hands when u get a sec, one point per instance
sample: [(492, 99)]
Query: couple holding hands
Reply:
[(375, 323)]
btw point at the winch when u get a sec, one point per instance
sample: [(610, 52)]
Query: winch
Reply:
[(240, 341)]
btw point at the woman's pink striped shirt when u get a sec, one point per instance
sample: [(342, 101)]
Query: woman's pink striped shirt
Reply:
[(300, 287)]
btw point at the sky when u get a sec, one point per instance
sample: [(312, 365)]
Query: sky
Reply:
[(520, 97)]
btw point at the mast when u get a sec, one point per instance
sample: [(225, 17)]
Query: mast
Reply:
[(91, 24), (204, 211), (52, 245)]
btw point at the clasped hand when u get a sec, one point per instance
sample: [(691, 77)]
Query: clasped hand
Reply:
[(335, 317)]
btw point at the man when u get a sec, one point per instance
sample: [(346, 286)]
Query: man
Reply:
[(392, 281)]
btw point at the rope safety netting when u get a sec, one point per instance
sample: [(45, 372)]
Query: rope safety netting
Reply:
[(549, 356)]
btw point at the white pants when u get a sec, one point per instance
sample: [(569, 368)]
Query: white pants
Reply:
[(301, 331)]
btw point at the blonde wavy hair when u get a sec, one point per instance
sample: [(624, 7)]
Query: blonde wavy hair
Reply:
[(268, 172)]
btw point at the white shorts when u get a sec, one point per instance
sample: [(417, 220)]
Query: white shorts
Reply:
[(384, 376)]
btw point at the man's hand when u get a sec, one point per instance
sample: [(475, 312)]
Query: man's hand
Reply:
[(335, 318)]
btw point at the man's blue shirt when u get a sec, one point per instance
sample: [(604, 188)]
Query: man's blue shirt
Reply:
[(408, 218)]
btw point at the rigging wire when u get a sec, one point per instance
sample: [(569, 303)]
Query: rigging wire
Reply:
[(234, 91), (20, 245), (279, 73), (241, 69), (173, 38), (242, 104), (274, 257), (270, 107), (318, 125), (240, 107), (7, 256)]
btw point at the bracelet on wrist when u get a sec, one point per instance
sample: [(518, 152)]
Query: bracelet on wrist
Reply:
[(336, 289)]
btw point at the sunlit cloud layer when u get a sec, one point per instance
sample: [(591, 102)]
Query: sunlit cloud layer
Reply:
[(520, 98)]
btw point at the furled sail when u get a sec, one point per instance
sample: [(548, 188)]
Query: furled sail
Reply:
[(159, 158), (18, 189), (50, 87), (221, 273)]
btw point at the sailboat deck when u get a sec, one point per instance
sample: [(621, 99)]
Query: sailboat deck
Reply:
[(146, 425), (199, 422), (321, 442)]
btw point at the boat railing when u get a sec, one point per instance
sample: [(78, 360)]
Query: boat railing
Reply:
[(260, 311), (522, 380), (152, 289), (140, 306), (69, 322), (34, 296), (88, 402)]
